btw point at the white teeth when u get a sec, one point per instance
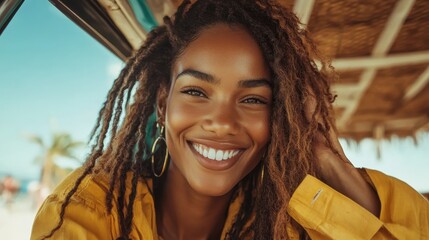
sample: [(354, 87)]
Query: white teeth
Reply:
[(219, 155), (214, 154), (225, 155)]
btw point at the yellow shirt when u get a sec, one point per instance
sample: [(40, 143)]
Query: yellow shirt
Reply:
[(322, 211)]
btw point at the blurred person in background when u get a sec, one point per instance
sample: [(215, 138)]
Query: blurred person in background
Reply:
[(11, 187), (1, 187)]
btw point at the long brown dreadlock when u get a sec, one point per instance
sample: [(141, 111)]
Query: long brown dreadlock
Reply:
[(291, 56)]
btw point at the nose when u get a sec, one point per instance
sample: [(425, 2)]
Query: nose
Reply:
[(222, 120)]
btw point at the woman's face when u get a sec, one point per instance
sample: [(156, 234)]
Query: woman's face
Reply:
[(218, 110)]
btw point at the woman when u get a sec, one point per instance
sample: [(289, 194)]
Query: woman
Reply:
[(244, 146)]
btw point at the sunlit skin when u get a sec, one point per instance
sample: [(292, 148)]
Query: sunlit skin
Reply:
[(220, 97)]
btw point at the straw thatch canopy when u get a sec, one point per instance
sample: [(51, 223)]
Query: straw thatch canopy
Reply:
[(381, 52), (380, 48)]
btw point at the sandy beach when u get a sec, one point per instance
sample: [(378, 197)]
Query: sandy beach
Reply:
[(17, 219)]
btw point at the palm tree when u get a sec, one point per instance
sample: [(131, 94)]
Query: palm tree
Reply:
[(62, 145)]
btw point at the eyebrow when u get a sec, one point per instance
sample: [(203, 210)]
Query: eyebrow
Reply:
[(248, 83), (251, 83), (200, 75)]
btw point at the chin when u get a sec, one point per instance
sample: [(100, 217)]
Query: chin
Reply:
[(212, 188)]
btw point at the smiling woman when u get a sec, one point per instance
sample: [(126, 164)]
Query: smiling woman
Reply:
[(217, 105), (246, 146)]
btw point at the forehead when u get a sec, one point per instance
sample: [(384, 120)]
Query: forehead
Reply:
[(223, 47)]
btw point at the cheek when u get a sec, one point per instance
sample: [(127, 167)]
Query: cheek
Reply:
[(179, 115), (175, 116), (259, 128)]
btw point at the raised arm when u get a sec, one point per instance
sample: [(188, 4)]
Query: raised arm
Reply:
[(351, 203)]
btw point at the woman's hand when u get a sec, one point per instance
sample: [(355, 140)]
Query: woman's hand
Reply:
[(336, 170)]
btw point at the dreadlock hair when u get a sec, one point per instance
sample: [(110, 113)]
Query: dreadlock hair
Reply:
[(291, 56)]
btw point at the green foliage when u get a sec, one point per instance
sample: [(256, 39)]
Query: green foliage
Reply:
[(61, 145)]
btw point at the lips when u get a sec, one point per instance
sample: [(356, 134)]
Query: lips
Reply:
[(215, 154)]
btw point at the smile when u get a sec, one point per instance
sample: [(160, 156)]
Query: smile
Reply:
[(215, 154)]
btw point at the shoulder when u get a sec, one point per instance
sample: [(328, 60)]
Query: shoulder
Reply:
[(86, 212), (388, 185), (397, 197), (93, 189), (90, 193)]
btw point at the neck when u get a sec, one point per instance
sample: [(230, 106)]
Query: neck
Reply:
[(183, 213)]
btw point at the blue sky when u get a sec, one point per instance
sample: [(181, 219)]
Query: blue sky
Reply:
[(54, 77)]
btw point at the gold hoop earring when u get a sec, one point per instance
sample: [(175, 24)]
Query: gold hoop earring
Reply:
[(261, 175), (164, 165)]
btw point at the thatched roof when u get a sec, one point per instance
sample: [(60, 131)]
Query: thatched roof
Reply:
[(380, 49)]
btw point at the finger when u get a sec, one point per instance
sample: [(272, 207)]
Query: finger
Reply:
[(311, 113), (310, 105)]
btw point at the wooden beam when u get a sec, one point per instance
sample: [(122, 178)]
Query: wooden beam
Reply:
[(392, 27), (405, 123), (342, 88), (161, 9), (129, 14), (342, 102), (365, 81), (392, 60), (389, 125), (303, 9), (417, 86), (121, 21), (382, 46)]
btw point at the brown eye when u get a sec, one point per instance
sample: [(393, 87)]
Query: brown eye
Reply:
[(254, 100), (193, 92)]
